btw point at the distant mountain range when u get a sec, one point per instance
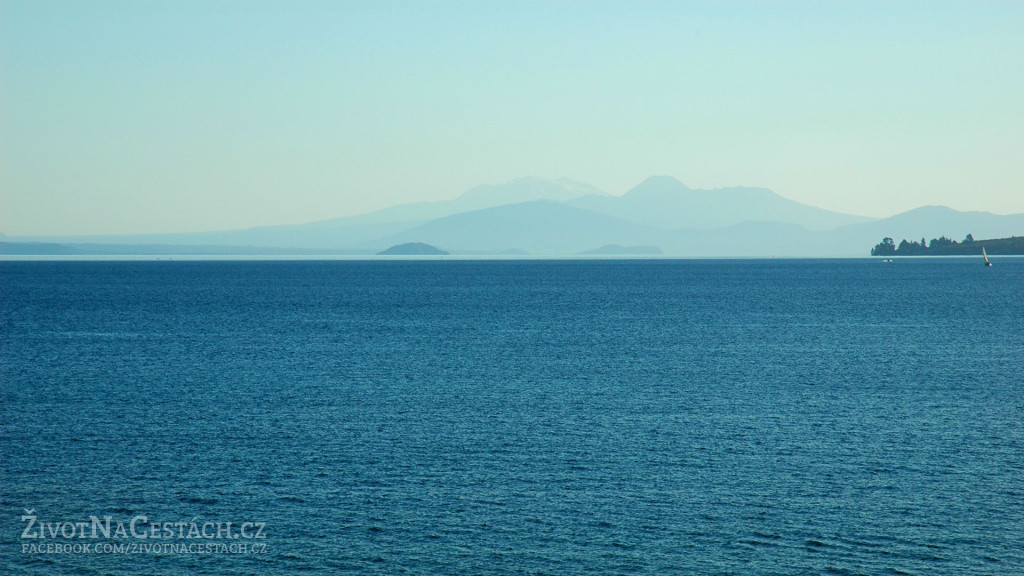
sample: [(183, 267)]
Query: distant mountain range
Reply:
[(563, 217)]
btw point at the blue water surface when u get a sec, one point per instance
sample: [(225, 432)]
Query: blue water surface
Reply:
[(519, 417)]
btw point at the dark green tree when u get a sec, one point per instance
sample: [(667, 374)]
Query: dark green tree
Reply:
[(887, 247)]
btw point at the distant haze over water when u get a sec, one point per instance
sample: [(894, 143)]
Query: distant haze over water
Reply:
[(537, 217), (176, 117)]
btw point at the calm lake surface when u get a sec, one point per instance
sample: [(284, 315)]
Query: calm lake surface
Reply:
[(515, 417)]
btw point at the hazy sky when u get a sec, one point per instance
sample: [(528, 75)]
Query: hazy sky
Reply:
[(184, 116)]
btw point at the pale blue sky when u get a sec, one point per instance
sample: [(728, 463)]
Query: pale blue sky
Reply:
[(186, 116)]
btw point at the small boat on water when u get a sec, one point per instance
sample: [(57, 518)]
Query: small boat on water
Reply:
[(985, 256)]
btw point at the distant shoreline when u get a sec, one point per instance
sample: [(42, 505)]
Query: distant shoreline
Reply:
[(112, 258), (1012, 246)]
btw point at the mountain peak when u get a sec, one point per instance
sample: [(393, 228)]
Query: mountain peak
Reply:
[(931, 210), (582, 188), (519, 190), (658, 186)]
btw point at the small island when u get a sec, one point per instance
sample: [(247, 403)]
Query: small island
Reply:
[(942, 246), (413, 249), (619, 250)]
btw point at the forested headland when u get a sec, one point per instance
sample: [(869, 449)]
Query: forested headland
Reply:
[(943, 246)]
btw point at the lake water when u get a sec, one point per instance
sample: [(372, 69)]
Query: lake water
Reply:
[(514, 417)]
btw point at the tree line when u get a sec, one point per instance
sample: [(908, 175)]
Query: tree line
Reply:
[(943, 246)]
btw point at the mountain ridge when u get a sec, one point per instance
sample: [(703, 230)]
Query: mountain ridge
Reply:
[(564, 217), (665, 202)]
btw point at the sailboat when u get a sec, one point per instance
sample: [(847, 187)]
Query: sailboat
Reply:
[(985, 256)]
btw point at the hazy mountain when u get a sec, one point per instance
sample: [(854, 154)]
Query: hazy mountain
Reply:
[(927, 222), (580, 188), (539, 227), (775, 239), (566, 217), (108, 249), (935, 221), (298, 236), (339, 233), (750, 239), (555, 228), (665, 202), (477, 198), (521, 190), (36, 248), (620, 250)]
